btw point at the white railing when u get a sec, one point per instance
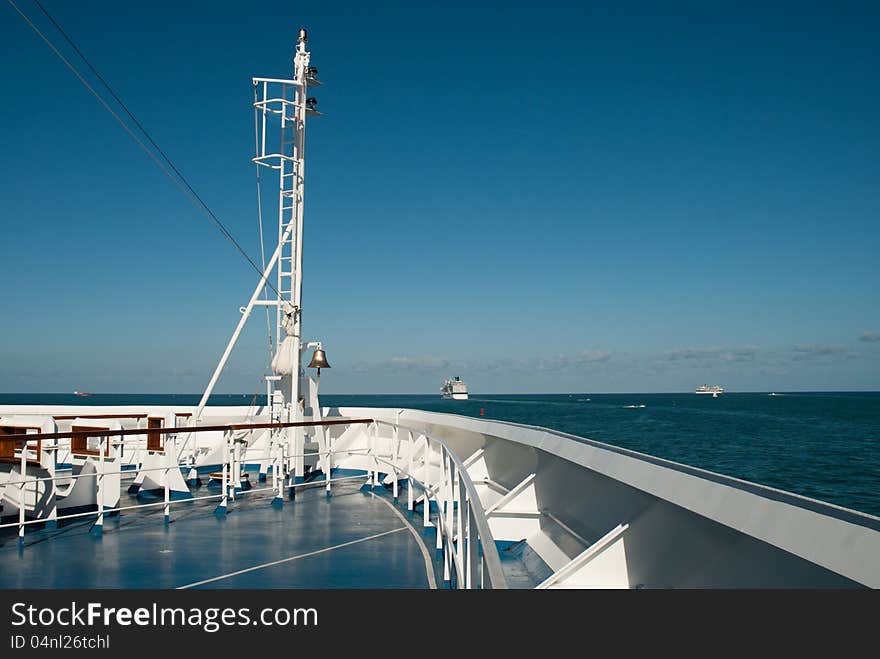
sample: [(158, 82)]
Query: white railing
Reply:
[(277, 453), (463, 536)]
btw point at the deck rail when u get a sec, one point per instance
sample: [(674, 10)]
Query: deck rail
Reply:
[(174, 429), (463, 537), (277, 452)]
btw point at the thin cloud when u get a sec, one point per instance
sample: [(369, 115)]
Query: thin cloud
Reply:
[(401, 364), (713, 354), (568, 362), (592, 357), (425, 363), (546, 364)]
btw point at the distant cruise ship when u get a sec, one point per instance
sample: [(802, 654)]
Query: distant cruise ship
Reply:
[(715, 390), (455, 389)]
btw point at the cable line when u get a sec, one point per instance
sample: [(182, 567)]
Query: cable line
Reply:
[(179, 180)]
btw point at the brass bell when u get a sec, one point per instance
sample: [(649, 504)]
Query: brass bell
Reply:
[(319, 360)]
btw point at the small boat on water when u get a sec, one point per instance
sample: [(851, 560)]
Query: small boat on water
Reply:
[(82, 393), (714, 390)]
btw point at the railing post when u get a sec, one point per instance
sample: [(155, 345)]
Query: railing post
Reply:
[(299, 451), (409, 484), (369, 431), (461, 577), (394, 461), (234, 469), (289, 462), (426, 471), (444, 516), (270, 459), (472, 558), (289, 474), (169, 452), (441, 481), (328, 462), (221, 509), (133, 489), (21, 491), (282, 463), (236, 466), (273, 461), (376, 453), (98, 528), (277, 460), (448, 466), (267, 456), (51, 465), (194, 453)]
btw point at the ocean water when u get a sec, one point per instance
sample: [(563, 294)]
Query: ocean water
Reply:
[(821, 445)]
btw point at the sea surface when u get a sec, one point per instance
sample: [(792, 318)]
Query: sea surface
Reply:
[(821, 445)]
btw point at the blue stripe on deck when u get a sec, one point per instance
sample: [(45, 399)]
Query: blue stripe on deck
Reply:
[(136, 550)]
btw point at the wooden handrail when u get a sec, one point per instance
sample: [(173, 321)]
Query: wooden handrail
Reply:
[(178, 429)]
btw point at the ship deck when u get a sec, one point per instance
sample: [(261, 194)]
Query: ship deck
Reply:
[(354, 539)]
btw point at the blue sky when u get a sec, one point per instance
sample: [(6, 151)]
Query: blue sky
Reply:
[(610, 197)]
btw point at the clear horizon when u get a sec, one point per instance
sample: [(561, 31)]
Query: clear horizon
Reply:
[(472, 394), (632, 198)]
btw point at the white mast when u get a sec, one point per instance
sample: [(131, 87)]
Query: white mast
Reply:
[(291, 172), (291, 178), (287, 102)]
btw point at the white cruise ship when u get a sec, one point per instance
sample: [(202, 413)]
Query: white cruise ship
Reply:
[(454, 388), (715, 390)]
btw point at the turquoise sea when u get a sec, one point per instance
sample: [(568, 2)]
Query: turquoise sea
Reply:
[(821, 445)]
